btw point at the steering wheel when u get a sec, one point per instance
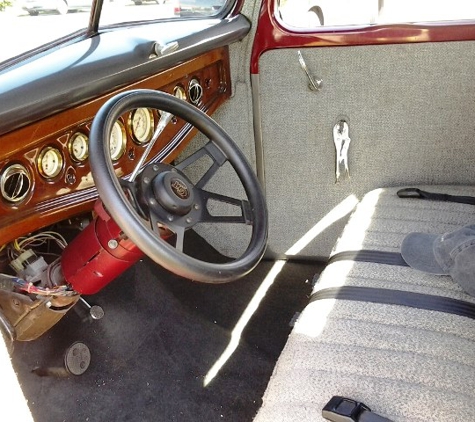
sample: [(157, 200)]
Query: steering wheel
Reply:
[(160, 196)]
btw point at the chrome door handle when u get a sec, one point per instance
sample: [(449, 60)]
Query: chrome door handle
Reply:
[(315, 84)]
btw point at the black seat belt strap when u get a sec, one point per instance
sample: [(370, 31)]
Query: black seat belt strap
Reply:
[(342, 409), (398, 297), (417, 193), (367, 255)]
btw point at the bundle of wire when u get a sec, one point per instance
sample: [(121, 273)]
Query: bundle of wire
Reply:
[(43, 291), (19, 246), (23, 243)]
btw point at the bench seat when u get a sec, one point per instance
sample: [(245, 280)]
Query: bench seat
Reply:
[(406, 364)]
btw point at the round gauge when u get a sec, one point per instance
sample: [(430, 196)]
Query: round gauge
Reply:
[(50, 162), (117, 141), (179, 92), (79, 147), (141, 122)]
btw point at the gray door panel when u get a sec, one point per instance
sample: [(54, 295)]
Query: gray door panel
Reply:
[(411, 111)]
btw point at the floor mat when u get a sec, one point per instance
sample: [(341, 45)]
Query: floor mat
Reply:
[(157, 341)]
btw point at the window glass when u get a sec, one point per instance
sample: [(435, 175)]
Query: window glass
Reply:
[(123, 11), (315, 13), (28, 24)]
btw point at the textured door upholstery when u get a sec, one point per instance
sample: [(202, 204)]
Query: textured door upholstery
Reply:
[(410, 109)]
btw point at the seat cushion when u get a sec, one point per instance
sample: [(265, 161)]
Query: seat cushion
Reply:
[(406, 364)]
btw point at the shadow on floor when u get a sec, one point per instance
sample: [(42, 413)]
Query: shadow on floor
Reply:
[(159, 337)]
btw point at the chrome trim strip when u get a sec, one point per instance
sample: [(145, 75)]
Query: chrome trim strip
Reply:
[(257, 123)]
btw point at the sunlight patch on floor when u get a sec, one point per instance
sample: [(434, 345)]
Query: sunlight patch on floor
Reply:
[(13, 404), (243, 320), (340, 211)]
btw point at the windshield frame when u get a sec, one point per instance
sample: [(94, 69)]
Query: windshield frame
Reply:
[(94, 28)]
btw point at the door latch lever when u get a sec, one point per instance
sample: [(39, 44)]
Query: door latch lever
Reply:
[(341, 139)]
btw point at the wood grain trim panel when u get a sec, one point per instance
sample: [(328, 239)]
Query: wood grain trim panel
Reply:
[(72, 192)]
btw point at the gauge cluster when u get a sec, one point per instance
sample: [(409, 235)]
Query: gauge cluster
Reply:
[(140, 127), (134, 129), (137, 126), (45, 175)]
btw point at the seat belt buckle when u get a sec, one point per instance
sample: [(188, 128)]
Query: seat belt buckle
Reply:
[(342, 409)]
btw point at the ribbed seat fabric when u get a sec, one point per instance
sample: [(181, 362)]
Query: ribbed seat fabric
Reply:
[(406, 364)]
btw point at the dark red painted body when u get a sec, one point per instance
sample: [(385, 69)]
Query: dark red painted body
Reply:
[(89, 262), (272, 35)]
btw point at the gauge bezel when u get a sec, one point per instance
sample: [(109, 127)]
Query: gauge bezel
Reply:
[(123, 142), (74, 157), (150, 123), (180, 92), (16, 197), (195, 91), (59, 165)]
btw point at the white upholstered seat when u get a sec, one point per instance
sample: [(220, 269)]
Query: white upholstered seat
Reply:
[(406, 364)]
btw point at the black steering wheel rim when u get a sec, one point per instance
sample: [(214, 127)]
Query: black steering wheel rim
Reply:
[(124, 213)]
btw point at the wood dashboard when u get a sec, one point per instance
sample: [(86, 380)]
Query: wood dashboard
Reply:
[(45, 176)]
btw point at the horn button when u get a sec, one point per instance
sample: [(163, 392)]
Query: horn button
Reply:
[(171, 189)]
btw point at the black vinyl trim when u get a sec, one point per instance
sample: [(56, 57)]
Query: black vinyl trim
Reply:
[(65, 77), (367, 255), (398, 297), (416, 193)]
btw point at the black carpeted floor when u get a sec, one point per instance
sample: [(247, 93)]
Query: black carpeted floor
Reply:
[(159, 338)]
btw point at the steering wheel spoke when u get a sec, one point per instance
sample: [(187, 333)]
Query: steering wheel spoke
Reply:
[(213, 152), (162, 231), (130, 191), (244, 206)]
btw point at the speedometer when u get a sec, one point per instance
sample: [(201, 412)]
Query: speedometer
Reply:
[(141, 122), (117, 141)]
